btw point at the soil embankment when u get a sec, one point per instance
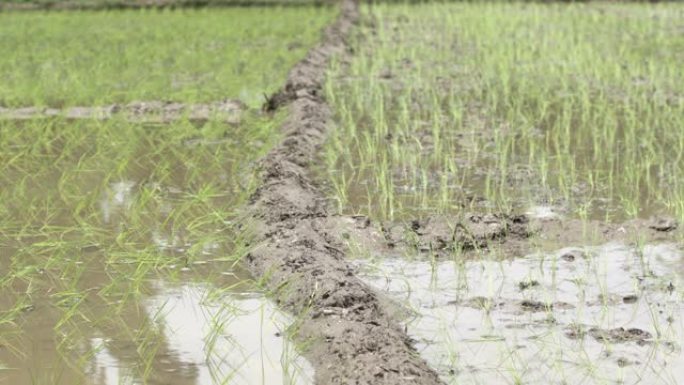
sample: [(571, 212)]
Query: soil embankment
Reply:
[(135, 112), (350, 335)]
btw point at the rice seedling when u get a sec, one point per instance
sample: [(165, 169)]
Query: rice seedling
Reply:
[(578, 106), (91, 212), (89, 58)]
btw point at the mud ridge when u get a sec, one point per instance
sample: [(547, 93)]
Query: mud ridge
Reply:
[(347, 327), (155, 111)]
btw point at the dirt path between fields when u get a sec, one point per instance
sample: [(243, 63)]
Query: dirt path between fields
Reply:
[(349, 330), (229, 111)]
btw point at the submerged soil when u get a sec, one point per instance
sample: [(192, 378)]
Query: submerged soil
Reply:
[(349, 329)]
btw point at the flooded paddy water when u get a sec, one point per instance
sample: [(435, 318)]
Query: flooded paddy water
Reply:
[(128, 150), (119, 261), (610, 314), (457, 126), (181, 331)]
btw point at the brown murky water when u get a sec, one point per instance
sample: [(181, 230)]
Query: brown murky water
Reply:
[(118, 257), (592, 315), (179, 332)]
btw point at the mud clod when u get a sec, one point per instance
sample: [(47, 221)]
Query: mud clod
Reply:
[(524, 285), (664, 224), (618, 335), (474, 231), (632, 298)]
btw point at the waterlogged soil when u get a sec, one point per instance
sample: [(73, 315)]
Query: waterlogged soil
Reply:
[(611, 313), (180, 331)]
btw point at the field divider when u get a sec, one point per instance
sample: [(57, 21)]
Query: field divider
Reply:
[(347, 329), (228, 110)]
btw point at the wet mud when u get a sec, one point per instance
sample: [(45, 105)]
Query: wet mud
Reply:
[(349, 329), (229, 111), (512, 235)]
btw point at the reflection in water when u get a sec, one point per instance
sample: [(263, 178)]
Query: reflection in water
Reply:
[(90, 214), (106, 369), (118, 198), (542, 212), (179, 335), (514, 321), (228, 339)]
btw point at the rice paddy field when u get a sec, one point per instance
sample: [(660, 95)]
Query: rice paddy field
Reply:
[(119, 248), (131, 141), (577, 106), (565, 112), (86, 58)]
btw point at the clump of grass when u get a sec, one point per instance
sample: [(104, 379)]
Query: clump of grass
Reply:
[(575, 105)]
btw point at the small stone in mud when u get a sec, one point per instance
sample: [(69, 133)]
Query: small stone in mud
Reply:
[(524, 285), (663, 224), (632, 298)]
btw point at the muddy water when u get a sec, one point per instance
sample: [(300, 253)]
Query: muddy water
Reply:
[(118, 257), (179, 332), (592, 315)]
